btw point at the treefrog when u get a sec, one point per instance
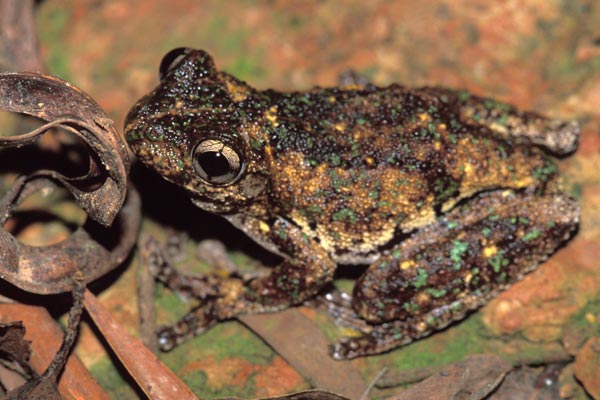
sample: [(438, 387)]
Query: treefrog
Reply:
[(447, 196)]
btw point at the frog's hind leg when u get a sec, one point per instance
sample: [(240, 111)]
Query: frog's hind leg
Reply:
[(456, 265)]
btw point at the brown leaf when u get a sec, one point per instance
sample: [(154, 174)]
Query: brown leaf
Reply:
[(45, 335), (297, 339), (529, 383), (45, 386), (587, 366), (471, 379), (152, 376), (310, 395)]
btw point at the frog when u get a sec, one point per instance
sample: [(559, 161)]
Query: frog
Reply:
[(443, 197)]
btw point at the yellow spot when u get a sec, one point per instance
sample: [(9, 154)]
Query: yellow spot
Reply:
[(422, 298), (407, 264), (331, 99), (421, 327), (468, 168), (237, 93), (468, 278), (437, 146), (490, 251), (340, 126), (526, 181), (179, 105), (369, 160), (271, 116), (442, 126), (264, 227), (591, 318), (424, 117)]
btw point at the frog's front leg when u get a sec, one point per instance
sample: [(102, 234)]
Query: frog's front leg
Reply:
[(457, 264), (294, 280)]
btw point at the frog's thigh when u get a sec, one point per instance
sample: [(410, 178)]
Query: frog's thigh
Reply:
[(465, 258)]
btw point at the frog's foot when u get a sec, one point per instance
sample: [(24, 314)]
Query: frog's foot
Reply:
[(338, 305), (381, 338)]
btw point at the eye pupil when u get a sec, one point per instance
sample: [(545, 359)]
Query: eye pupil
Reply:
[(216, 162), (213, 163)]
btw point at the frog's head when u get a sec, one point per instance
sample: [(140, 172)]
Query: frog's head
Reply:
[(195, 129)]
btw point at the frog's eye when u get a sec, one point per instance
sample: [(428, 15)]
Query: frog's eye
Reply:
[(216, 162), (172, 60)]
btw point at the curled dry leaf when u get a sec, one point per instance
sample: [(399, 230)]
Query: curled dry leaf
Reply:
[(62, 104), (92, 250)]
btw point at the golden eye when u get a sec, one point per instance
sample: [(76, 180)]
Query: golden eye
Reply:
[(172, 60), (216, 162)]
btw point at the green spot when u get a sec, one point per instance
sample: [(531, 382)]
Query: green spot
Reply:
[(534, 234), (463, 95), (345, 214), (282, 234), (502, 120), (546, 172), (335, 160), (314, 209), (421, 278), (305, 100), (256, 143), (502, 152), (436, 293), (457, 252), (486, 232), (502, 277), (497, 261), (373, 194), (452, 224), (489, 104), (396, 254)]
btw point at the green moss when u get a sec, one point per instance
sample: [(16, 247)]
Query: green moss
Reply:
[(109, 378), (51, 25), (226, 341)]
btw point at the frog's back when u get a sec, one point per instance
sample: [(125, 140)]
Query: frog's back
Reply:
[(358, 168)]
